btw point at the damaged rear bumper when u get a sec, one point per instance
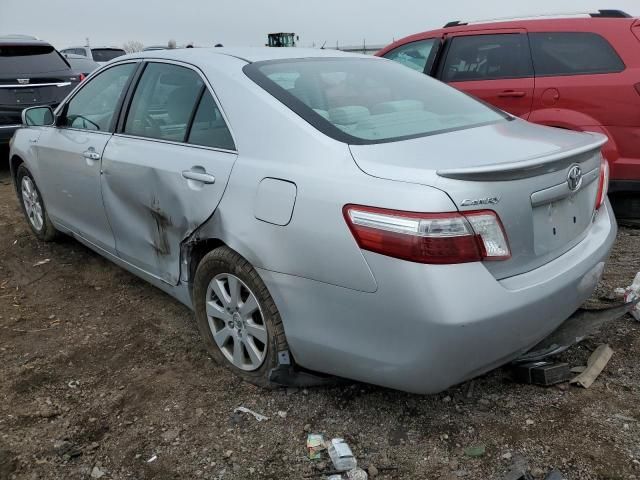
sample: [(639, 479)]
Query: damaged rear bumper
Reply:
[(428, 327)]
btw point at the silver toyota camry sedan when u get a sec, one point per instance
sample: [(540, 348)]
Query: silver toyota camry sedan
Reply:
[(322, 211)]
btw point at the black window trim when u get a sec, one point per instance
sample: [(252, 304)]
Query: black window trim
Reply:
[(447, 47), (575, 74), (61, 111), (252, 70), (124, 112)]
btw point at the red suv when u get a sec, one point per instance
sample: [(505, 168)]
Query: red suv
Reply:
[(580, 72)]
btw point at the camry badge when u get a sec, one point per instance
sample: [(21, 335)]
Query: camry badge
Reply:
[(480, 201)]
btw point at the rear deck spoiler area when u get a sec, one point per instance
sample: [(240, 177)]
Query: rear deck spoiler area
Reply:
[(526, 168)]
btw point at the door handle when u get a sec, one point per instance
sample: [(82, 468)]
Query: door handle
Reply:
[(512, 94), (199, 176), (91, 154)]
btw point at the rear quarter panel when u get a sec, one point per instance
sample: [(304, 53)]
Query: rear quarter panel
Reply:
[(273, 142)]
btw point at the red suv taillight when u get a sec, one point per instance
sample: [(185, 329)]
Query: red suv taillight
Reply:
[(603, 183), (437, 238)]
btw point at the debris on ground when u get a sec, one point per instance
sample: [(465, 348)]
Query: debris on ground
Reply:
[(357, 474), (578, 327), (554, 475), (315, 445), (97, 472), (517, 473), (341, 455), (42, 262), (541, 373), (475, 451), (631, 294), (596, 363), (152, 459), (256, 415)]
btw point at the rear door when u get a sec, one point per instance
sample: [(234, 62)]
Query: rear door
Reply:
[(583, 84), (493, 65), (167, 167)]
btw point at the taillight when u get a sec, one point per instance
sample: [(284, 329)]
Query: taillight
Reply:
[(603, 183), (82, 77), (437, 238)]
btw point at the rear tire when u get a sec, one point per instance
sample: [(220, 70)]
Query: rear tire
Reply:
[(237, 316), (33, 206)]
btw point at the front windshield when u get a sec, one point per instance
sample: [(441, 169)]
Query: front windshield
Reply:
[(360, 100)]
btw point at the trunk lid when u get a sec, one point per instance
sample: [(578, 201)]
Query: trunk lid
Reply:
[(517, 169)]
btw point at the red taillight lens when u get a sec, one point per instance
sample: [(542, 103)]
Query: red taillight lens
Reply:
[(437, 238), (603, 183), (82, 77)]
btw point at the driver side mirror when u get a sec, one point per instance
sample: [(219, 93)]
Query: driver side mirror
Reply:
[(38, 117)]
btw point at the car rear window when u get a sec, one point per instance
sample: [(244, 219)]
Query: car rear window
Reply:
[(30, 59), (573, 53), (106, 54), (362, 101)]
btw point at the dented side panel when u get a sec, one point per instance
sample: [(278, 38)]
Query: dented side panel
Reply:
[(150, 204)]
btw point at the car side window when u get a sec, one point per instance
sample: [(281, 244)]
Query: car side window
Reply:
[(164, 102), (573, 53), (94, 106), (488, 57), (413, 55), (209, 128)]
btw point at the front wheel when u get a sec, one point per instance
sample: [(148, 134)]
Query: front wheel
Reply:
[(33, 206), (237, 317)]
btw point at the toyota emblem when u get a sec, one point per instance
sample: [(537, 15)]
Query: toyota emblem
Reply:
[(574, 178)]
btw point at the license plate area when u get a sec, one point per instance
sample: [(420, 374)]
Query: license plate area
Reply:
[(559, 222), (26, 96)]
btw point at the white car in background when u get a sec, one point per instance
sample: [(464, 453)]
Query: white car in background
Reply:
[(100, 55)]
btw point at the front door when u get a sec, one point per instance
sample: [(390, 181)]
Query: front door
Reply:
[(166, 169), (495, 67), (71, 153)]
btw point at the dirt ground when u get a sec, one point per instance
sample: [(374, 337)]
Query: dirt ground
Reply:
[(101, 373)]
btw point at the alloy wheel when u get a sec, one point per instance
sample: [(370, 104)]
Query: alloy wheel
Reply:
[(236, 322), (32, 203)]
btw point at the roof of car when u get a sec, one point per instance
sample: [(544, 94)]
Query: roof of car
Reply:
[(21, 40), (248, 54), (541, 23), (92, 47)]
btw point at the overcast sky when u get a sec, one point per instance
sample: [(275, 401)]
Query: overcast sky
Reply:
[(245, 22)]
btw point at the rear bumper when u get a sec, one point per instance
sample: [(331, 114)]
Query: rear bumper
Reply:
[(428, 327)]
